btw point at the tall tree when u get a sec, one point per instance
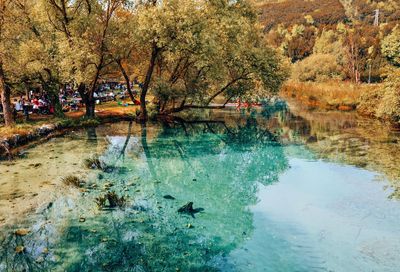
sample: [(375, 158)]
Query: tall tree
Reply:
[(84, 41), (5, 92), (199, 50)]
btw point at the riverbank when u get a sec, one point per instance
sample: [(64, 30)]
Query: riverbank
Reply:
[(40, 129), (342, 96)]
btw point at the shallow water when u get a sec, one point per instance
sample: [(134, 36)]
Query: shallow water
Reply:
[(280, 192)]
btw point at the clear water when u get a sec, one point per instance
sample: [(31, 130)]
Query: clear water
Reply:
[(274, 198)]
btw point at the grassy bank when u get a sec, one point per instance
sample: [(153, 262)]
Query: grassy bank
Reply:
[(104, 112), (343, 96), (41, 127)]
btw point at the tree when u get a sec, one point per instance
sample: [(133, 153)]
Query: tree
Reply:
[(317, 67), (391, 46), (5, 92), (84, 38), (200, 50)]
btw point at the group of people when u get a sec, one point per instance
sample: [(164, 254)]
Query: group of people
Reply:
[(37, 104), (70, 100)]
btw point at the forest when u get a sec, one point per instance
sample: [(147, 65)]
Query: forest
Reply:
[(332, 41), (186, 54)]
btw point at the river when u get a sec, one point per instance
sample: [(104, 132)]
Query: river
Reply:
[(277, 189)]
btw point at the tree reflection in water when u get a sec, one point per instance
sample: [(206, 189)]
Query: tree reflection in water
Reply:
[(216, 166)]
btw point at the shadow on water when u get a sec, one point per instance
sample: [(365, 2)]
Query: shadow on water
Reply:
[(215, 166)]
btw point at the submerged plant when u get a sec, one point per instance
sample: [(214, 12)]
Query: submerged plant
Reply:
[(93, 162), (110, 200), (73, 181)]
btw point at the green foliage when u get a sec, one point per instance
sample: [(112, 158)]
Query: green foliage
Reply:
[(215, 48), (329, 42), (389, 106), (384, 102), (391, 46), (317, 68), (83, 122), (89, 122)]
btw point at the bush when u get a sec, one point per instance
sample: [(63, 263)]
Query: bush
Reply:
[(84, 122), (391, 46), (317, 68), (389, 107), (384, 103)]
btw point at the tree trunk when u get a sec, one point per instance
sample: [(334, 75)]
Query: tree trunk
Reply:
[(55, 101), (88, 100), (127, 81), (90, 107), (143, 111), (6, 99), (89, 110)]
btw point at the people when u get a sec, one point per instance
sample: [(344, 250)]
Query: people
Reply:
[(35, 103), (19, 104)]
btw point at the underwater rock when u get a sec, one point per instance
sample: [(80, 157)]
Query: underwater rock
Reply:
[(188, 209), (170, 197), (82, 219), (21, 232)]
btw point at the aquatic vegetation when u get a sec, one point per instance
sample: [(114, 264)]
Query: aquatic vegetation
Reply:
[(110, 200), (93, 163), (73, 181)]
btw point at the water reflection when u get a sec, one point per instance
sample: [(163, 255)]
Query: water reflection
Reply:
[(346, 138), (219, 163), (216, 167)]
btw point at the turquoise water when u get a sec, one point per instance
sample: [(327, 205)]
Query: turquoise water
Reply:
[(269, 203)]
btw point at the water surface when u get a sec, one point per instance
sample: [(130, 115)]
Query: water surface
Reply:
[(279, 191)]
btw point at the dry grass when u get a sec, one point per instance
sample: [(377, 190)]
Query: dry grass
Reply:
[(329, 95)]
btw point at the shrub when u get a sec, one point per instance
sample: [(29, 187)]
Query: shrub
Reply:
[(391, 46), (317, 68), (384, 103), (389, 107), (89, 122)]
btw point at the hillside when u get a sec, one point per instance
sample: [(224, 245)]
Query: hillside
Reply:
[(325, 12)]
